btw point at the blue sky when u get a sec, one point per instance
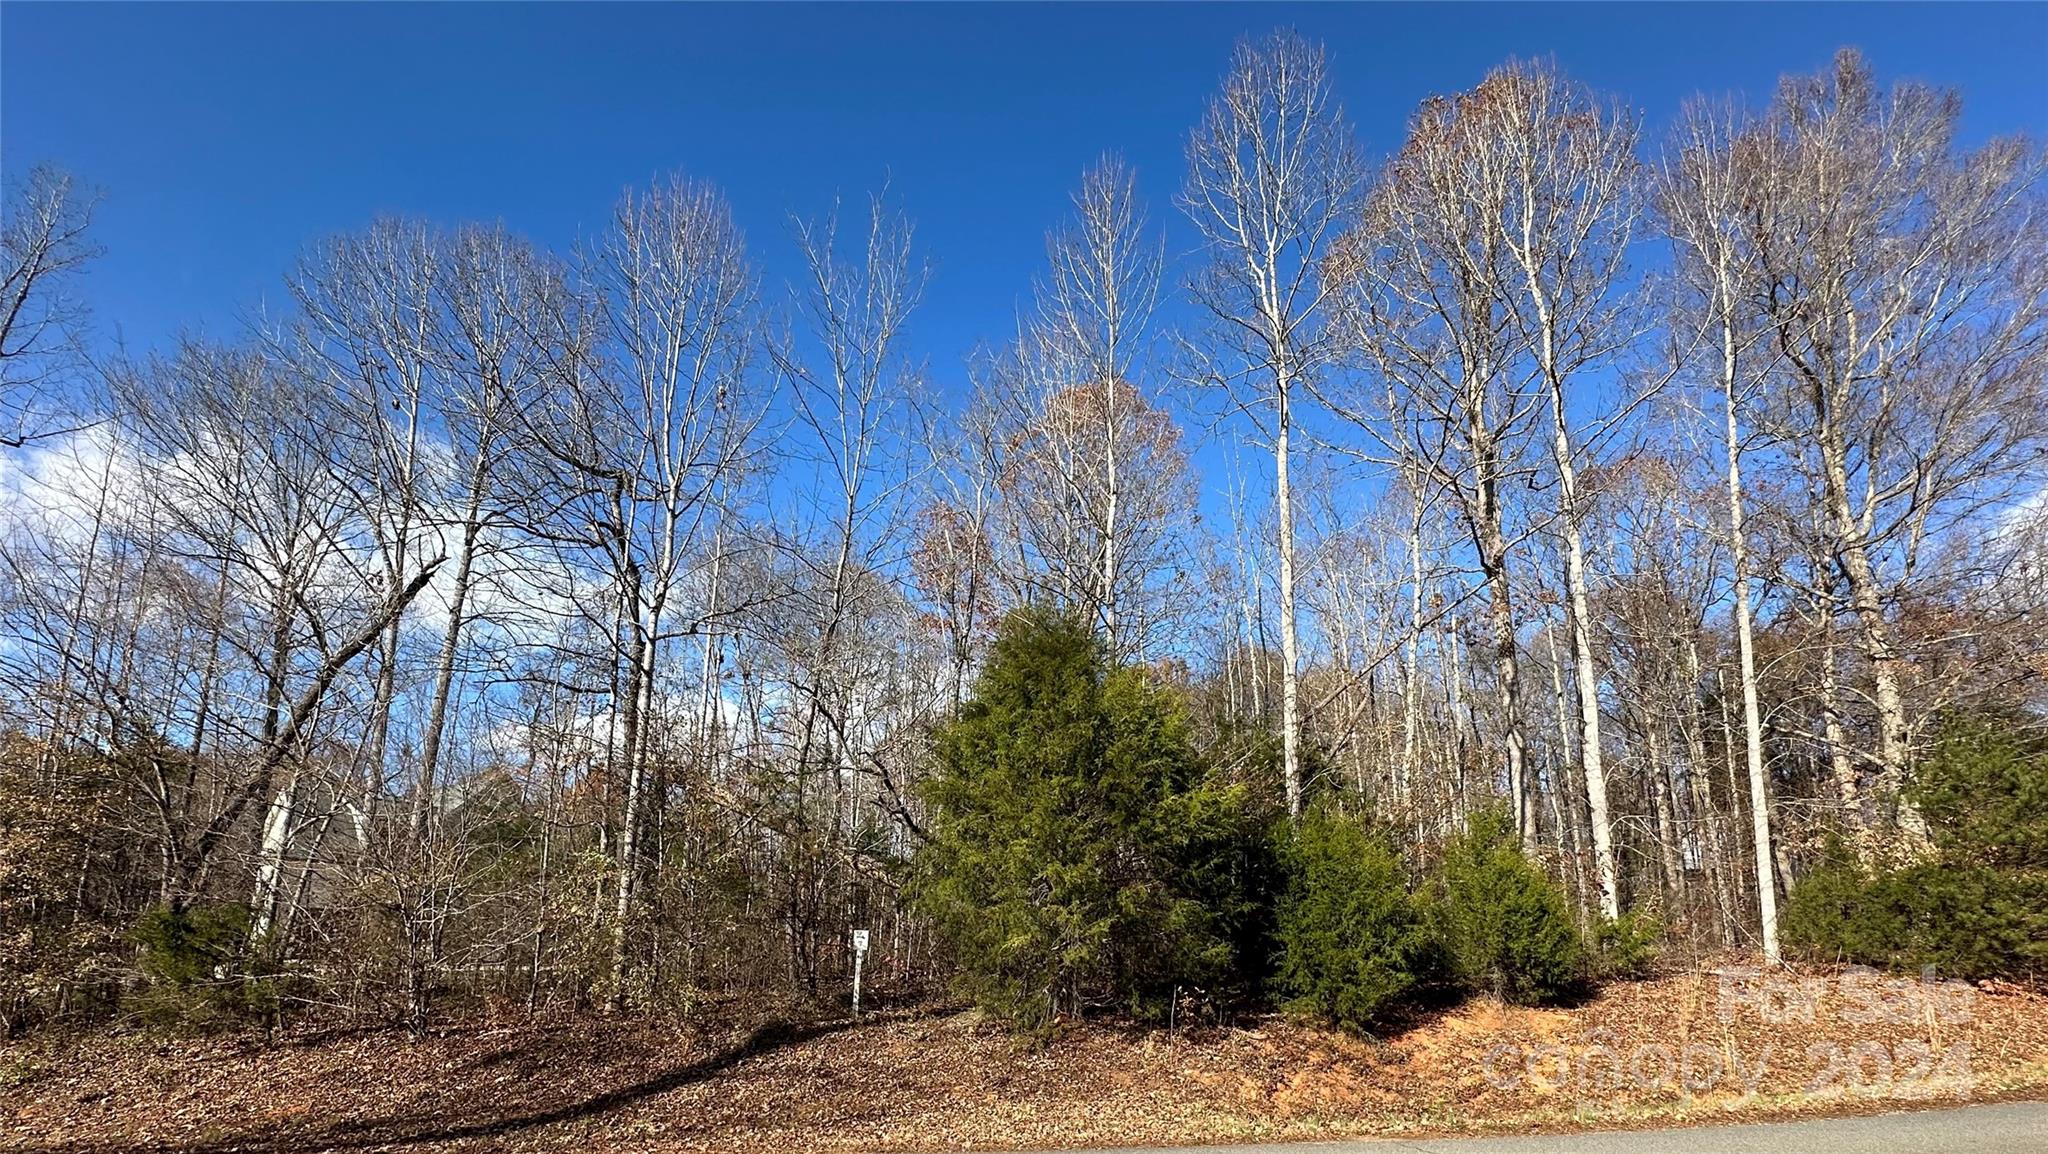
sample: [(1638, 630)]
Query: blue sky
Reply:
[(227, 137)]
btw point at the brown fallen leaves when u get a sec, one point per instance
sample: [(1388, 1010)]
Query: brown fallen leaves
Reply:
[(1688, 1048)]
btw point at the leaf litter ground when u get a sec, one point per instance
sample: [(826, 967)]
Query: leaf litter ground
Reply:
[(1676, 1050)]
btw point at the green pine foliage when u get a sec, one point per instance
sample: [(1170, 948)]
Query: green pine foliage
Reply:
[(192, 946), (1984, 790), (196, 962), (1967, 921), (1238, 868), (1504, 926), (1083, 855), (1627, 946), (1080, 856), (1827, 914), (1352, 940), (1979, 906)]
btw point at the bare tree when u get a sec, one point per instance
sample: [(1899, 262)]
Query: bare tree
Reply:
[(1422, 281), (854, 393), (43, 245), (370, 327), (1090, 329), (236, 441), (1903, 284), (1568, 170), (1273, 175), (1701, 198), (646, 413), (493, 293)]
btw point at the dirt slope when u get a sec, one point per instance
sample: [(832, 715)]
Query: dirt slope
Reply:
[(1695, 1047)]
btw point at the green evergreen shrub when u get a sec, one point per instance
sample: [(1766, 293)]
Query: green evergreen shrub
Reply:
[(196, 963), (1233, 864), (1504, 926), (1627, 946), (1984, 790), (1080, 855), (1967, 921), (1828, 915), (1351, 937), (1979, 906)]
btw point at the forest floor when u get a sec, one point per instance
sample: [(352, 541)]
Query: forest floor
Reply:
[(1693, 1048)]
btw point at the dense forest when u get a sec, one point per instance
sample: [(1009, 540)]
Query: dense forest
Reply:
[(1647, 540)]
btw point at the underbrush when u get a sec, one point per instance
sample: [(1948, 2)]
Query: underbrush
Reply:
[(1977, 905)]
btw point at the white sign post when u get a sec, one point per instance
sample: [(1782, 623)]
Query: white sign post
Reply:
[(860, 954)]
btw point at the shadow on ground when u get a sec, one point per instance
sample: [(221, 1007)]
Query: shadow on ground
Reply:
[(435, 1126)]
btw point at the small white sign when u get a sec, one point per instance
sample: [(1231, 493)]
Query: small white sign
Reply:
[(860, 941)]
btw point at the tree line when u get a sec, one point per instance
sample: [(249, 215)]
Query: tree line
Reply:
[(599, 628)]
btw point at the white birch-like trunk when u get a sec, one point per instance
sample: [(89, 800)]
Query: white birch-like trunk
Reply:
[(1290, 691), (277, 825), (1752, 713)]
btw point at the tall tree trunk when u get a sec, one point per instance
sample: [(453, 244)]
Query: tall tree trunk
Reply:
[(1507, 666), (1690, 712), (1581, 893), (1411, 661), (629, 829), (1745, 646), (451, 642), (1290, 683), (1591, 759), (1106, 596), (1656, 770), (1840, 765), (270, 855), (1874, 633), (1490, 538)]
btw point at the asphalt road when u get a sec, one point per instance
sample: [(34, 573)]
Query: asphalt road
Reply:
[(2005, 1128)]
